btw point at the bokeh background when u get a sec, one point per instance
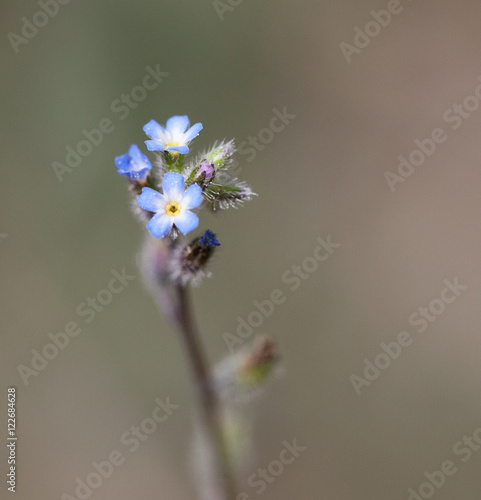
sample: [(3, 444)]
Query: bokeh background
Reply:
[(322, 175)]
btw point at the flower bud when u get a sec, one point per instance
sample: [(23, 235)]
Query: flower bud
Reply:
[(220, 155), (134, 165), (242, 376), (189, 261), (202, 175), (258, 364), (206, 169)]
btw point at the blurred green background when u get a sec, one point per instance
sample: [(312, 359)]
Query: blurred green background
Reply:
[(322, 175)]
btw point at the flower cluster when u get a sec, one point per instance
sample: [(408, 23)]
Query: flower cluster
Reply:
[(171, 187), (167, 193)]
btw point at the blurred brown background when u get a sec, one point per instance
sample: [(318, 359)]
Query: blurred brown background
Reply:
[(322, 175)]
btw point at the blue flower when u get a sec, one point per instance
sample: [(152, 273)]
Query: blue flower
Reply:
[(209, 239), (172, 207), (134, 164), (174, 137)]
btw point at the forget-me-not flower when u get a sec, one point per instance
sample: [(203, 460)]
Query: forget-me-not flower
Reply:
[(171, 207), (134, 164), (174, 137)]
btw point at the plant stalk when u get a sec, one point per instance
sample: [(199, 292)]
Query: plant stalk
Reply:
[(224, 487)]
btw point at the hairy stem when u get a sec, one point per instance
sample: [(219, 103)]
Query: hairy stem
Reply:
[(209, 408)]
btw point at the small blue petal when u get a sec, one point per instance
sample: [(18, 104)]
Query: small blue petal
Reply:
[(177, 124), (183, 149), (153, 129), (138, 159), (136, 175), (122, 162), (137, 156), (209, 239), (193, 132), (192, 197), (135, 152), (172, 185), (186, 222), (150, 200), (160, 225), (154, 146)]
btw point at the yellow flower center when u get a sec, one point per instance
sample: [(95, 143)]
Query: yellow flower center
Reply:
[(174, 154), (172, 208)]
